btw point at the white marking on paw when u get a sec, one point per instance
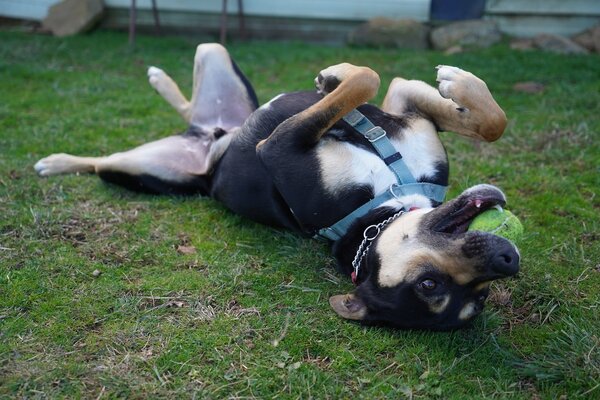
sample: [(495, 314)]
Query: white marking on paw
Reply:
[(444, 88), (62, 164), (40, 167), (446, 78), (156, 77), (154, 71), (447, 72)]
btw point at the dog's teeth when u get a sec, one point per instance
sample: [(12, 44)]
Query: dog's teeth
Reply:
[(478, 203), (498, 207)]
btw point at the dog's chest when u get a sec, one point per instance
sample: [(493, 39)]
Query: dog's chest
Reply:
[(345, 164)]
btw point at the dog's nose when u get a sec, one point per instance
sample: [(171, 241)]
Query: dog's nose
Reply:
[(505, 260)]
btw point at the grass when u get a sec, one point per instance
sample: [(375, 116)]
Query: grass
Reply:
[(96, 300)]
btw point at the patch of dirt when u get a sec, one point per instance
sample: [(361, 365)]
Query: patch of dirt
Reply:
[(323, 363), (186, 249), (589, 238), (14, 175), (88, 222), (236, 310), (549, 140), (193, 265), (537, 309)]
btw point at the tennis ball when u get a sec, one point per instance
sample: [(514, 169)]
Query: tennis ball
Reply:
[(499, 222)]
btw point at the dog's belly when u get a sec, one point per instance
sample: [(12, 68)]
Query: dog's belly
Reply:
[(328, 181)]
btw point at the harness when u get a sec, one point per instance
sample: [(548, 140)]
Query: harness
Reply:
[(406, 183)]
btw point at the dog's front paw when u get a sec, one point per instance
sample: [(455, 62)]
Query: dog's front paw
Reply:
[(460, 86), (330, 78)]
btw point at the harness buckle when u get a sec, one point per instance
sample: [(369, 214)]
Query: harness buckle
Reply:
[(375, 133), (393, 192)]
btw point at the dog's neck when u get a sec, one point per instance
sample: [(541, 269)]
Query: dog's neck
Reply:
[(345, 250), (350, 248)]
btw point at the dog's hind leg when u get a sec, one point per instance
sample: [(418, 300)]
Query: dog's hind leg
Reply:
[(173, 165), (61, 163), (463, 103), (169, 90), (221, 102), (222, 96)]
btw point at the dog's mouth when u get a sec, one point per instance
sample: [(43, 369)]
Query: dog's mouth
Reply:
[(455, 216)]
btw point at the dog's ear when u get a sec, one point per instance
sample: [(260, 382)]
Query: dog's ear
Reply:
[(348, 306)]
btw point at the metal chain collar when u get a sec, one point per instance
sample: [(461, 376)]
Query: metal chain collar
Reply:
[(370, 233)]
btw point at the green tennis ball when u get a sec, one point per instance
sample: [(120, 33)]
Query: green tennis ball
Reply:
[(502, 223)]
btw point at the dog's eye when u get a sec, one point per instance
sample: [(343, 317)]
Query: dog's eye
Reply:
[(428, 284)]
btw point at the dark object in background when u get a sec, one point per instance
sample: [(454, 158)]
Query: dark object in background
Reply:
[(456, 10)]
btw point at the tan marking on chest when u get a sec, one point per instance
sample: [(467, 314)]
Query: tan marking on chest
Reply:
[(342, 164), (398, 248)]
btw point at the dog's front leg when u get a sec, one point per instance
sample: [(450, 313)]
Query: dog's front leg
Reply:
[(289, 153), (463, 103), (345, 87)]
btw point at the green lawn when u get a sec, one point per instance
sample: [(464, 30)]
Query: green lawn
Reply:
[(247, 315)]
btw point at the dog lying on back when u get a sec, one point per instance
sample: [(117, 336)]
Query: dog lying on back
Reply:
[(372, 180)]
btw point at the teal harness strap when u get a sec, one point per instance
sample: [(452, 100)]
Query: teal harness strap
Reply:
[(430, 190), (382, 144), (406, 182), (339, 229)]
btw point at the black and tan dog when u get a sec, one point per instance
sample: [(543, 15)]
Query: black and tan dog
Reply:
[(299, 162)]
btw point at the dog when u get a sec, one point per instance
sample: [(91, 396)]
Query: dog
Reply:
[(325, 162)]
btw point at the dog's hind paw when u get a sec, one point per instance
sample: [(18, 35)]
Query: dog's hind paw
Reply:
[(156, 77), (57, 164)]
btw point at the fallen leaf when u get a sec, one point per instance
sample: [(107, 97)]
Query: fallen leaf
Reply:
[(295, 365), (175, 303), (186, 249), (529, 87)]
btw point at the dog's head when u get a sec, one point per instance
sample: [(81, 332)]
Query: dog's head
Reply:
[(426, 271)]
